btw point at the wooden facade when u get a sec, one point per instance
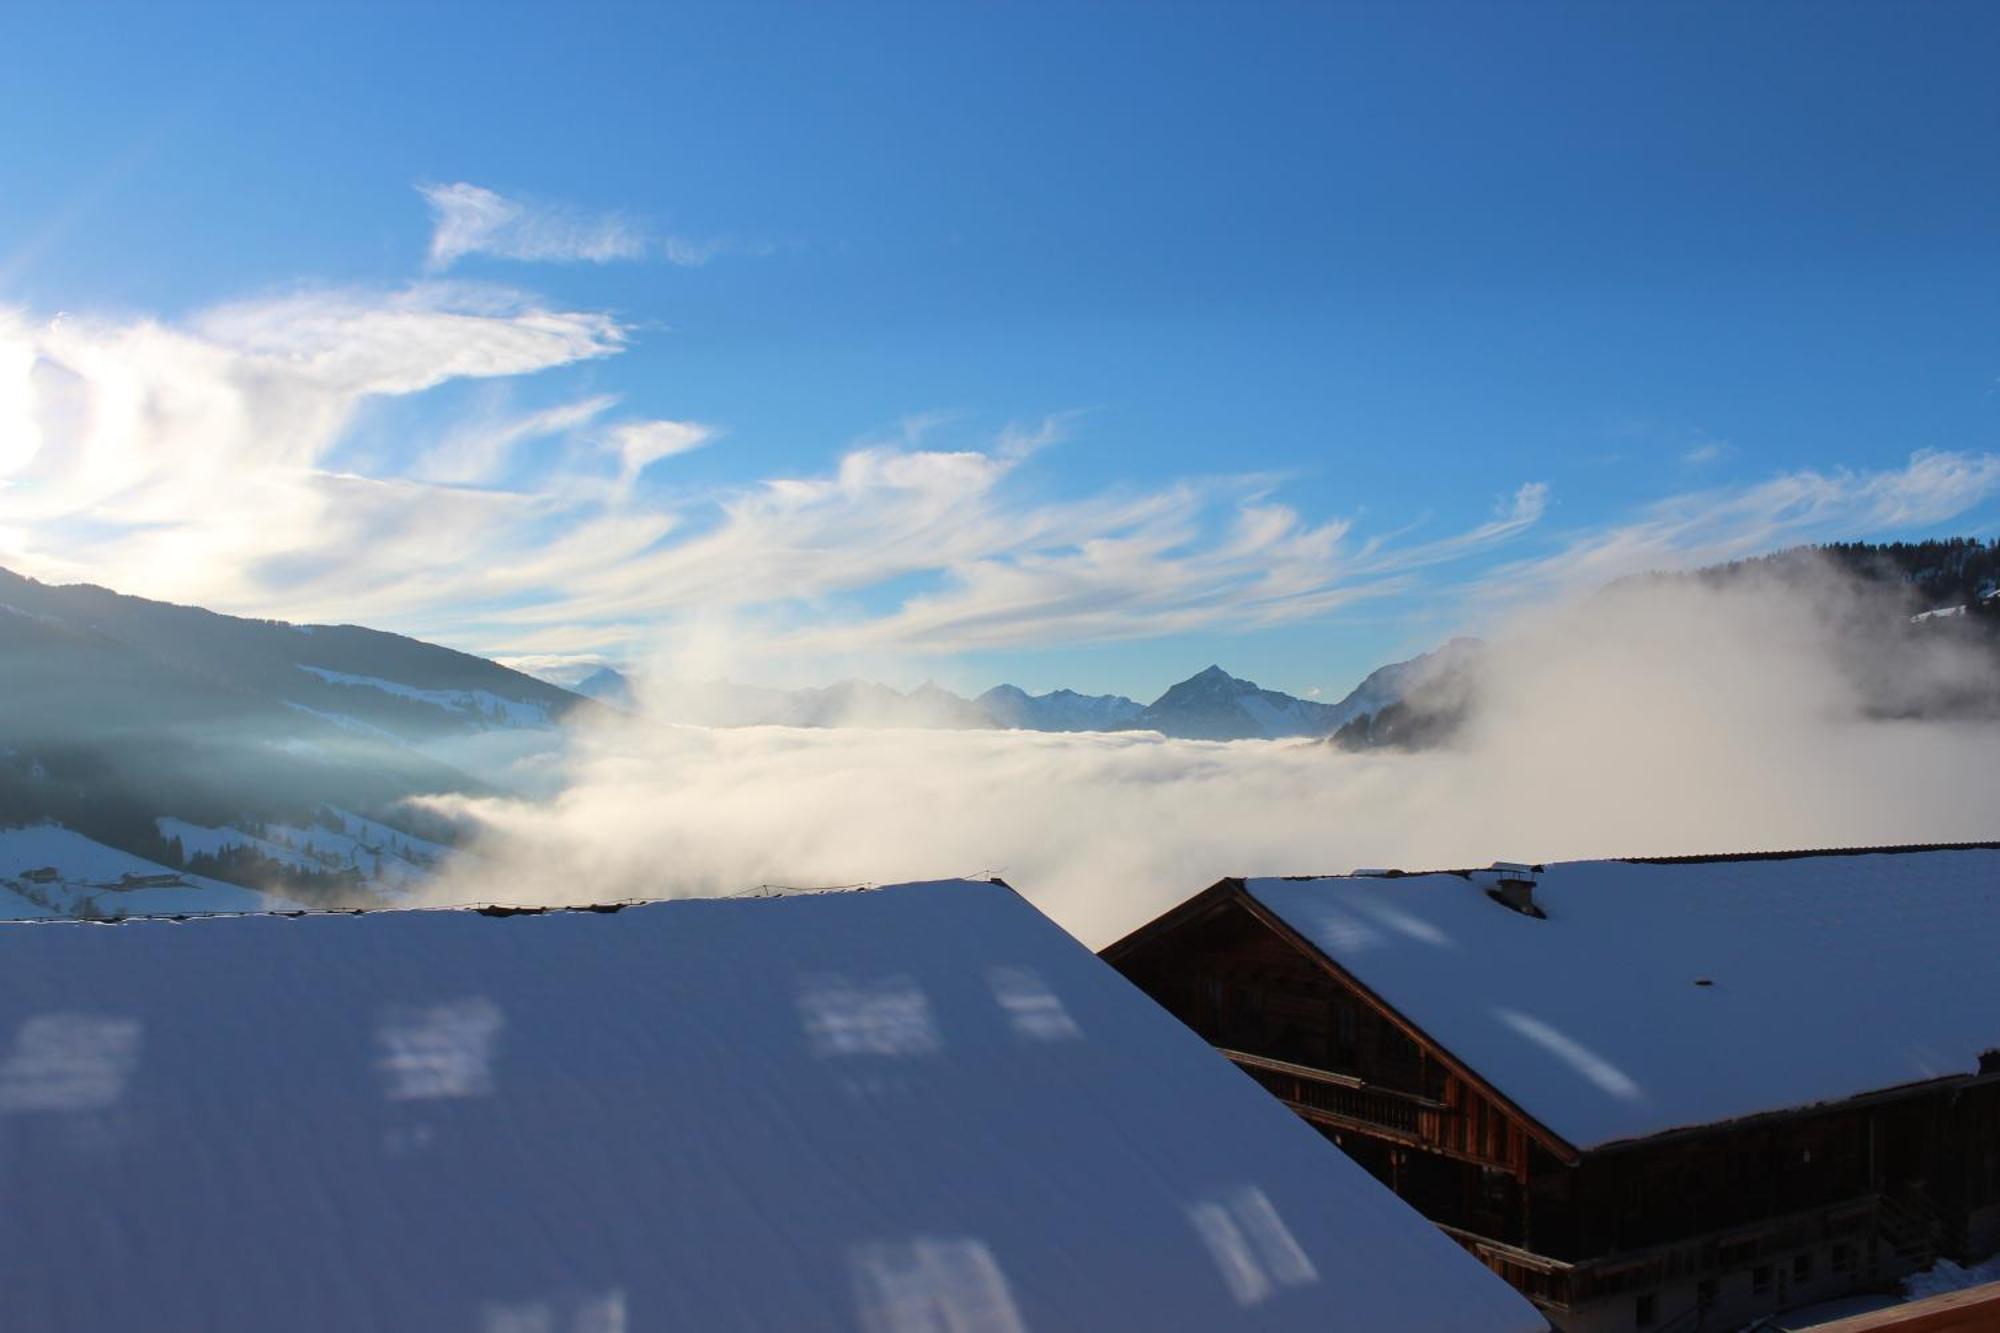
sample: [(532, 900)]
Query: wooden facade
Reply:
[(1703, 1228)]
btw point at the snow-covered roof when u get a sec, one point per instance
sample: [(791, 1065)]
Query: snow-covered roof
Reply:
[(1658, 996), (911, 1110)]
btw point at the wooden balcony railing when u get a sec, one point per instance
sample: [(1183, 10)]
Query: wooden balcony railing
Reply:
[(1565, 1286), (1321, 1094)]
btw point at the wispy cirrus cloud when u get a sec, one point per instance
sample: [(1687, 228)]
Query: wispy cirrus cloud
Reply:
[(477, 451), (197, 461), (470, 219), (194, 461), (1728, 523), (641, 444)]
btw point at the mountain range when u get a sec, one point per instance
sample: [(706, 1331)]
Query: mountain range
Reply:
[(244, 750), (1209, 705), (150, 752)]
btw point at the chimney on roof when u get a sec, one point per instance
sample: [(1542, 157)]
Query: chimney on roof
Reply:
[(1515, 888)]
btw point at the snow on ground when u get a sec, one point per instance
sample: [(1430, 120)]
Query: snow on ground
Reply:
[(387, 859), (1825, 1312), (1940, 1279), (1657, 996), (914, 1110), (346, 723), (371, 835), (89, 877), (479, 703), (1945, 1276)]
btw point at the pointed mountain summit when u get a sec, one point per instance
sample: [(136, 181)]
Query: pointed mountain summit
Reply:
[(1213, 705)]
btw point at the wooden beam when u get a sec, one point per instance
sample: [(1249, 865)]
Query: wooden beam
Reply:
[(1210, 899), (1974, 1310)]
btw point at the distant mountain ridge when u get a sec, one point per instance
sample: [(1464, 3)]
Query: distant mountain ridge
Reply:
[(1900, 603), (1012, 707), (1209, 705), (185, 737)]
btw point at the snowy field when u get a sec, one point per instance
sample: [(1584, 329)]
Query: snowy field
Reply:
[(390, 862), (475, 703), (48, 871)]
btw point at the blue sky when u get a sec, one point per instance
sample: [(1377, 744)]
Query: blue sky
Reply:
[(1073, 345)]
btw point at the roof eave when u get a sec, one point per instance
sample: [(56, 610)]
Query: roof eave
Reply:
[(1565, 1151)]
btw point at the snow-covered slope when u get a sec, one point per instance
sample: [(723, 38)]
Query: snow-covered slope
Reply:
[(383, 862), (128, 712), (1417, 704), (1394, 683), (485, 705), (922, 1109), (384, 683), (1658, 996), (49, 871)]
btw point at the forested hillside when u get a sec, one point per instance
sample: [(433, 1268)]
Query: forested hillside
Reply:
[(1883, 606), (125, 719)]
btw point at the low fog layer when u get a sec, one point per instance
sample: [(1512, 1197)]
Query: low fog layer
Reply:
[(1654, 718)]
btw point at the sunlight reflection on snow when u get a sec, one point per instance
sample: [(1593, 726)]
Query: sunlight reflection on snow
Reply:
[(887, 1016), (932, 1285), (1404, 923), (1036, 1012), (439, 1051), (1575, 1054), (1253, 1249), (1341, 932), (595, 1314), (404, 1140), (69, 1062)]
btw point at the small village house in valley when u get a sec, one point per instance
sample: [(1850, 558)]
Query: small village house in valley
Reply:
[(1670, 1095), (915, 1109)]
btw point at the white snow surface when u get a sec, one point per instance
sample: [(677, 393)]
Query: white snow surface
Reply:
[(1830, 976), (388, 860), (480, 703), (1945, 1277), (921, 1109), (88, 872), (346, 723)]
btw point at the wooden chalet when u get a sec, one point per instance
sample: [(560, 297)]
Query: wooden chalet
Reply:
[(1668, 1095)]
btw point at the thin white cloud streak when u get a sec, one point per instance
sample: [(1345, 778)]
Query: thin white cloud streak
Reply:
[(479, 451), (1728, 523), (470, 219), (194, 462), (1657, 720), (641, 444)]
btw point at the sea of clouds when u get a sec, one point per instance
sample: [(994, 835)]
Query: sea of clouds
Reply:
[(1658, 717)]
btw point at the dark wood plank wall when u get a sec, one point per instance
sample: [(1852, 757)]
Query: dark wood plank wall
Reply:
[(1243, 988)]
